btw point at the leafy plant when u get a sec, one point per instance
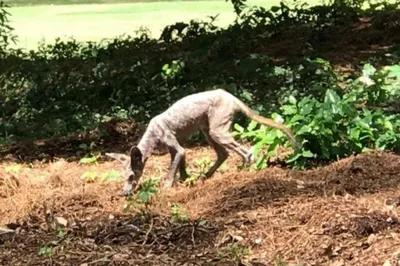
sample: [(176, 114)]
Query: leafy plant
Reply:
[(334, 127), (200, 166), (147, 190), (61, 232), (45, 250), (177, 215), (89, 176), (92, 176), (234, 252), (92, 156), (279, 261), (6, 31), (170, 71)]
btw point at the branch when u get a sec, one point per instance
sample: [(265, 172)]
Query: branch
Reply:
[(4, 231)]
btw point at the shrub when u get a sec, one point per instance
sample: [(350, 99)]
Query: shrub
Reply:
[(338, 125)]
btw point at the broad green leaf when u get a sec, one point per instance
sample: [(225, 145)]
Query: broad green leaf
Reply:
[(238, 127), (253, 124), (388, 125), (394, 71), (331, 96), (88, 160), (326, 132), (279, 70), (325, 152), (306, 109), (292, 100), (354, 133), (247, 95), (288, 109), (294, 157), (368, 70), (260, 164), (89, 176), (308, 154), (296, 118), (144, 196), (249, 134), (304, 129), (269, 138), (277, 117)]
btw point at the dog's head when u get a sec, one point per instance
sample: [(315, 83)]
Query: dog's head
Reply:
[(132, 168)]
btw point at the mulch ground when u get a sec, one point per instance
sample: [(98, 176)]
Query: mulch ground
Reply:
[(345, 213)]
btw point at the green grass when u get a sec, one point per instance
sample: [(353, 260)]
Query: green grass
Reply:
[(76, 2), (93, 22)]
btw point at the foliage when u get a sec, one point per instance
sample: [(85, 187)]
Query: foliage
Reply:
[(6, 31), (177, 215), (92, 176), (91, 156), (147, 190), (142, 198), (45, 250), (338, 125), (234, 252)]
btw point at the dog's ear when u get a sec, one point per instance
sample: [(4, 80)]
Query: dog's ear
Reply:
[(136, 157), (122, 158)]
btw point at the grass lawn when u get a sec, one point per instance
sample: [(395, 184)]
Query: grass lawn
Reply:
[(98, 21)]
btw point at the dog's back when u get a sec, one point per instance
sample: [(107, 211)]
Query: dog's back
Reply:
[(191, 112)]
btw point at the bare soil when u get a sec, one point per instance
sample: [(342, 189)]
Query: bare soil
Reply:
[(345, 213)]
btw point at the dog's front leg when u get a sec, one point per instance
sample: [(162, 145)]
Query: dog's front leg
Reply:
[(177, 155)]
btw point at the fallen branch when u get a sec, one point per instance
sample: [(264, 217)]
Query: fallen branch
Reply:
[(5, 231)]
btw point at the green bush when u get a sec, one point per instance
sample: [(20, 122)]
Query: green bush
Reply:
[(338, 125)]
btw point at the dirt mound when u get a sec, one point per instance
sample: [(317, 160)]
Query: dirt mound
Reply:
[(344, 213)]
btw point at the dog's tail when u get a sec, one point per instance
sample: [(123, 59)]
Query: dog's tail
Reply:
[(267, 121)]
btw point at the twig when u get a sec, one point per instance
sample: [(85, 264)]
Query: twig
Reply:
[(194, 243), (148, 232), (102, 259), (4, 231)]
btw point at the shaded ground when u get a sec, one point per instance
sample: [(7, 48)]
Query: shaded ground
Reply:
[(344, 213)]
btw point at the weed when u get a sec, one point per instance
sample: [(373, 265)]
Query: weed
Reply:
[(146, 191), (279, 261), (92, 176), (200, 167), (92, 156), (61, 232), (177, 215), (89, 176), (234, 253), (45, 250)]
